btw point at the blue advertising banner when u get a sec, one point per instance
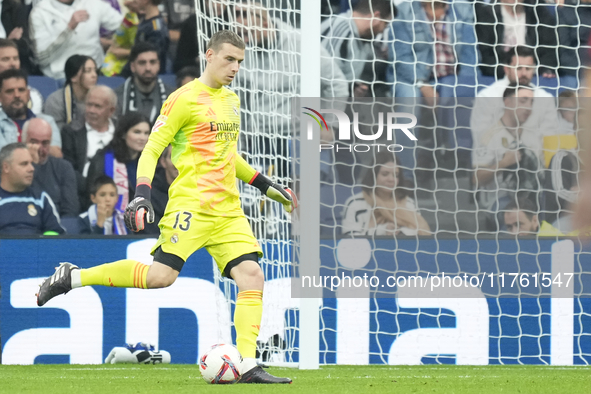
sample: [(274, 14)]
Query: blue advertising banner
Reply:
[(472, 327)]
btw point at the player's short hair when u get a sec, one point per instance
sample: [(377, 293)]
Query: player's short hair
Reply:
[(225, 37), (189, 71), (7, 150), (513, 88), (141, 47), (384, 7), (101, 181), (13, 73), (6, 43), (524, 205), (519, 51)]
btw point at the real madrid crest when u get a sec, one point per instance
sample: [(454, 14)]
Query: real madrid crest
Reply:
[(174, 239), (32, 210)]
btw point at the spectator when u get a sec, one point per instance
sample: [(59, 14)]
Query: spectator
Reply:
[(430, 39), (14, 94), (269, 81), (186, 75), (488, 106), (62, 28), (144, 91), (574, 29), (521, 218), (188, 46), (67, 104), (152, 29), (165, 174), (500, 26), (568, 108), (82, 142), (349, 39), (507, 158), (561, 190), (119, 159), (384, 207), (174, 13), (124, 38), (53, 175), (23, 211), (14, 26), (102, 217), (9, 60)]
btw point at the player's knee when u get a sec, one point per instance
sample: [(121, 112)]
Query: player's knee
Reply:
[(161, 281), (254, 273)]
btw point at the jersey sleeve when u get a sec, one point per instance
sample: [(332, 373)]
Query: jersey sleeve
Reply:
[(244, 171), (174, 115)]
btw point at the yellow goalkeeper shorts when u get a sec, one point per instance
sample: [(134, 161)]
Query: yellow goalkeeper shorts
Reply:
[(225, 238)]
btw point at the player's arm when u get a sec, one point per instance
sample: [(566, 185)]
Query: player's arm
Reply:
[(276, 192), (173, 116)]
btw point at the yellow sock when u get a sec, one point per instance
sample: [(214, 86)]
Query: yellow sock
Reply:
[(247, 320), (122, 273)]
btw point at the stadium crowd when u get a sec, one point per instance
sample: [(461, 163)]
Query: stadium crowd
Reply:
[(82, 82)]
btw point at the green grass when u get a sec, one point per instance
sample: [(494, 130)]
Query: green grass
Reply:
[(178, 379)]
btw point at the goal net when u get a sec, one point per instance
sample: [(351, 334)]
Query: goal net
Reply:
[(510, 302)]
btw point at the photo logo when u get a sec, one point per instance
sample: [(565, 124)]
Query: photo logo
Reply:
[(346, 129)]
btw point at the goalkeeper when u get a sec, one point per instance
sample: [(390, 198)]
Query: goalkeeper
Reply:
[(202, 121)]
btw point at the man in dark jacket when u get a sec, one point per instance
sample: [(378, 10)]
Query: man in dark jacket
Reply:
[(23, 211), (509, 23), (55, 176)]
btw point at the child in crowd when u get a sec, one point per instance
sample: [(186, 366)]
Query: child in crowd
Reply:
[(102, 217)]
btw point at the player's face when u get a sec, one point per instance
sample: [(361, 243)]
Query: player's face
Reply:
[(137, 137), (387, 176), (14, 96), (146, 67), (19, 169), (518, 224), (106, 195), (225, 63), (9, 59), (521, 70)]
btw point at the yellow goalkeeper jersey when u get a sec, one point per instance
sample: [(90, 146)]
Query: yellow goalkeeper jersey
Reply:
[(203, 125)]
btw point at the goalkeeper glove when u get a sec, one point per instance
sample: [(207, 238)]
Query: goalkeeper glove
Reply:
[(139, 208), (276, 192)]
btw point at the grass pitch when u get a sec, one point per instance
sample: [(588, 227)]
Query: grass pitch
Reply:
[(179, 379)]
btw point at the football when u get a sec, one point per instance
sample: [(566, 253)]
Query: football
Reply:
[(221, 364)]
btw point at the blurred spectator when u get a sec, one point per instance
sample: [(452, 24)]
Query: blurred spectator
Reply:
[(188, 46), (384, 207), (119, 159), (568, 108), (165, 174), (433, 42), (9, 59), (23, 211), (152, 29), (574, 29), (268, 81), (62, 28), (174, 13), (82, 142), (502, 25), (507, 158), (68, 104), (488, 106), (102, 217), (124, 38), (186, 75), (561, 190), (349, 39), (144, 91), (14, 25), (14, 96), (53, 175), (521, 217)]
